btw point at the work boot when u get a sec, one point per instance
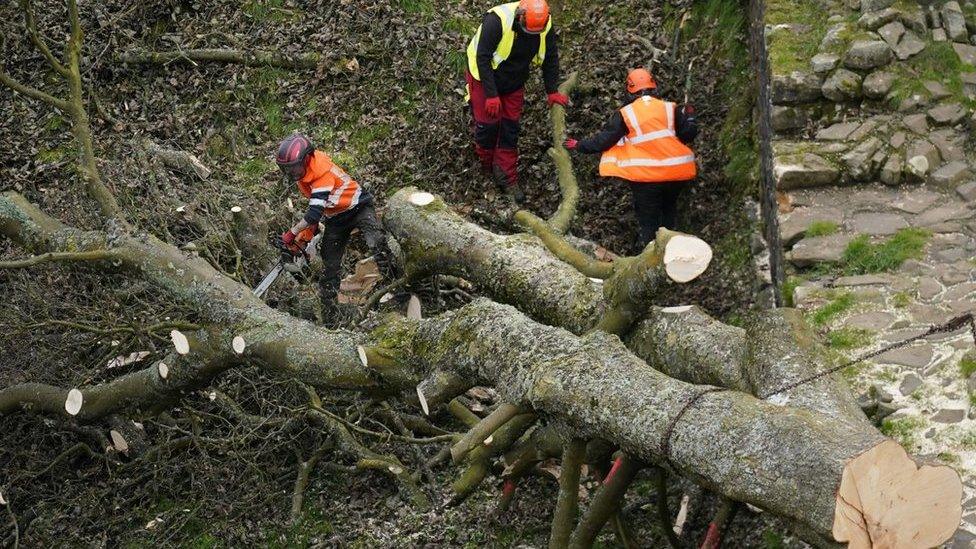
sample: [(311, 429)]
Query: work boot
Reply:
[(515, 191), (501, 178), (332, 315)]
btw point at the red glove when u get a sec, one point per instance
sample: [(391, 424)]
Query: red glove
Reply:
[(288, 237), (493, 106), (688, 110), (571, 143), (556, 98)]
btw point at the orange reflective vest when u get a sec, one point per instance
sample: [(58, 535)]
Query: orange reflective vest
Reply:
[(323, 176), (650, 152)]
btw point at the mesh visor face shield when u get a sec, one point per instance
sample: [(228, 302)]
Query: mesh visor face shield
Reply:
[(293, 170), (520, 22)]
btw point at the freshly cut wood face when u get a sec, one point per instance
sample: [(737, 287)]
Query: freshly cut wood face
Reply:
[(119, 441), (686, 257), (180, 342), (361, 351), (421, 198), (676, 309), (163, 370), (886, 500), (238, 345), (413, 308), (72, 404)]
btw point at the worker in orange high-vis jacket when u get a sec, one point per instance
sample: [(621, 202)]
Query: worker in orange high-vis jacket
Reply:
[(511, 39), (341, 204), (646, 143)]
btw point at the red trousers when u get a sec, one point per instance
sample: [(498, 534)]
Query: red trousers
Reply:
[(496, 139)]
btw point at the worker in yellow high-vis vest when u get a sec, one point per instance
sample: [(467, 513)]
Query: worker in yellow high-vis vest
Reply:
[(512, 37)]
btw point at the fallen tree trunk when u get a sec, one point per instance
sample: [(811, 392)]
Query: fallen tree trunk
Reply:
[(730, 442), (680, 341), (786, 460)]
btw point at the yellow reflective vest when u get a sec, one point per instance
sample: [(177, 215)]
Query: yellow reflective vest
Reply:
[(505, 12)]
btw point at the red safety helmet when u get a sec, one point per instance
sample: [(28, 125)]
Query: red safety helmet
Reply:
[(292, 154), (532, 15), (639, 80)]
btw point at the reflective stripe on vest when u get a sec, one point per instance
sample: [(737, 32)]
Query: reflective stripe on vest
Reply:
[(651, 151), (505, 12)]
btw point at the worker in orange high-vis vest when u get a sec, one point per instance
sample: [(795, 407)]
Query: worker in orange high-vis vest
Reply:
[(341, 204), (646, 143)]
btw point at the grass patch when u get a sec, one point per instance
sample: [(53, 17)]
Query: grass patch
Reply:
[(465, 26), (772, 539), (968, 440), (937, 62), (904, 430), (863, 257), (822, 228), (831, 310), (789, 50), (901, 300), (967, 366), (416, 6), (789, 287), (848, 338), (267, 10), (253, 170)]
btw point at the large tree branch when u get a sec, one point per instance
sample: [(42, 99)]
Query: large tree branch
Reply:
[(787, 460), (31, 23)]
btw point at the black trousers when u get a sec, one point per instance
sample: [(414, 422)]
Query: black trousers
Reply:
[(656, 206), (335, 237)]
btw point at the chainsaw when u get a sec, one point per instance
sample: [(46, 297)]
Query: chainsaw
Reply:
[(294, 258)]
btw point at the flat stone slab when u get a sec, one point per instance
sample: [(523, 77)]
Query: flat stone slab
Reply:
[(916, 202), (837, 132), (876, 224), (793, 225), (951, 174), (960, 291), (874, 321), (861, 280), (967, 191), (808, 170), (917, 356), (819, 249), (966, 53), (928, 288), (909, 45), (947, 114), (910, 384), (949, 415), (941, 214), (918, 123)]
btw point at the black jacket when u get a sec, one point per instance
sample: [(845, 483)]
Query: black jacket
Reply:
[(512, 73), (685, 127)]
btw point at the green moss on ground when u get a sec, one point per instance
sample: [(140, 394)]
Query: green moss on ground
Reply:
[(905, 430), (789, 50), (967, 366), (789, 287), (822, 228), (864, 257), (832, 309), (938, 62), (848, 338)]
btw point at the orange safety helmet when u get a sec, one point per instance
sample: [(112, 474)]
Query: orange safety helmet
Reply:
[(532, 15), (639, 80)]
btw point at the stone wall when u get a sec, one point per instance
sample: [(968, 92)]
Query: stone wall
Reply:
[(874, 90)]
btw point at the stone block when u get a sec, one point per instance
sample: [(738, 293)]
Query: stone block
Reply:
[(786, 118), (877, 84), (796, 89), (873, 20), (966, 53), (877, 223), (819, 249), (967, 191), (917, 123), (823, 63), (951, 174), (806, 170), (858, 159), (947, 114), (892, 33), (842, 86), (909, 45), (867, 54), (837, 132)]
